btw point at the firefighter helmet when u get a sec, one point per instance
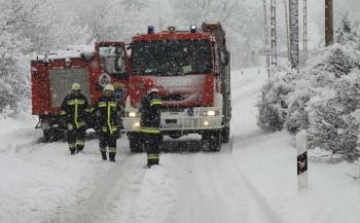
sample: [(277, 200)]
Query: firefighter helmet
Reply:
[(154, 89), (148, 84), (109, 87), (75, 87)]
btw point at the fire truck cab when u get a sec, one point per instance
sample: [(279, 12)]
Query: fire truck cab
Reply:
[(91, 66), (191, 69)]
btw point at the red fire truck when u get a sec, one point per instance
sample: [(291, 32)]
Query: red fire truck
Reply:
[(192, 71), (93, 67)]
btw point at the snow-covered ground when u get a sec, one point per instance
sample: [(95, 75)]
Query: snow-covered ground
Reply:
[(252, 179)]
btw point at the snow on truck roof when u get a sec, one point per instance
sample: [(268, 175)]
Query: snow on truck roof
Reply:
[(175, 35), (75, 51)]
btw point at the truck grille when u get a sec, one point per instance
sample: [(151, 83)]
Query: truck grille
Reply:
[(61, 81)]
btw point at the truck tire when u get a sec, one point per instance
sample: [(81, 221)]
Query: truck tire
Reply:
[(214, 140), (46, 135), (135, 143), (225, 134), (51, 135)]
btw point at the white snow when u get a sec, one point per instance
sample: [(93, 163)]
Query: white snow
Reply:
[(75, 51), (252, 179)]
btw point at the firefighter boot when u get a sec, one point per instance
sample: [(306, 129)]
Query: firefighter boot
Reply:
[(72, 151), (112, 156), (79, 148), (103, 155), (152, 159)]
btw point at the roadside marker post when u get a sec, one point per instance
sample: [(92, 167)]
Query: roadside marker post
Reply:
[(302, 160)]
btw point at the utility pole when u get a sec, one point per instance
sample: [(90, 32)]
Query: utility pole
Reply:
[(273, 32), (329, 24), (266, 38), (287, 27), (294, 33), (305, 34)]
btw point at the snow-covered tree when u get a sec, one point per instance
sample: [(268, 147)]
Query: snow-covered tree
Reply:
[(14, 81), (333, 115), (54, 26), (272, 105), (323, 98)]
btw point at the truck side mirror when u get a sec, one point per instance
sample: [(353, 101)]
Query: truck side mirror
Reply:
[(225, 57)]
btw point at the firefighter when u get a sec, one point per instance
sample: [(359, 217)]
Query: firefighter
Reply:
[(108, 113), (74, 110), (150, 122)]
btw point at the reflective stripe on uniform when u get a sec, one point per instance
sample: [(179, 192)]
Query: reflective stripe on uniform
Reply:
[(71, 145), (71, 102), (149, 130), (152, 156), (62, 112), (112, 129), (80, 142), (112, 149), (110, 105), (81, 124), (108, 117), (76, 101), (101, 104), (155, 101), (76, 113), (102, 149)]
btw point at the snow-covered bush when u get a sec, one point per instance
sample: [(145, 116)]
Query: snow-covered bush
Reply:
[(333, 117), (297, 117), (272, 106), (323, 98)]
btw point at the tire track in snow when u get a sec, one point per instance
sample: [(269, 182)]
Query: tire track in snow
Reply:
[(213, 190), (111, 188), (97, 200), (262, 202)]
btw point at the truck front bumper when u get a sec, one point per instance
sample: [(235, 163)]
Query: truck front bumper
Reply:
[(188, 120)]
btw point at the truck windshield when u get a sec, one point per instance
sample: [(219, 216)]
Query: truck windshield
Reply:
[(171, 57)]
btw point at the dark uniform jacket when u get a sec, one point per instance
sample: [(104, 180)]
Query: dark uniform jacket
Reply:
[(74, 109), (108, 113), (150, 113)]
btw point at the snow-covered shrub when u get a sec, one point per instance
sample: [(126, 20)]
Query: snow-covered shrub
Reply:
[(348, 34), (272, 106), (323, 98), (306, 85), (297, 117), (333, 117)]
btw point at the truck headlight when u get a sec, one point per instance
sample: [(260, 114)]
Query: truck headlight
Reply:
[(211, 113), (136, 125), (132, 114)]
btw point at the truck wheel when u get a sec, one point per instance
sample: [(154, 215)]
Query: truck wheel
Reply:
[(214, 140), (225, 134), (49, 135), (46, 135), (135, 143)]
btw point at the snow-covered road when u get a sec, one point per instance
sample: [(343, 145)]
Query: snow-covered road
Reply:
[(252, 179)]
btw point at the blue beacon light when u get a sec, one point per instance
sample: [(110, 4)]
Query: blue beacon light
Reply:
[(150, 29), (193, 28)]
